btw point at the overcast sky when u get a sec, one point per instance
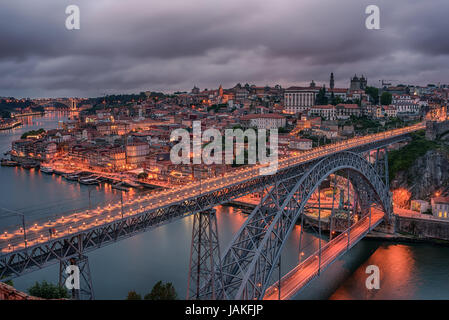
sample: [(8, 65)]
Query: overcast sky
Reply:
[(170, 45)]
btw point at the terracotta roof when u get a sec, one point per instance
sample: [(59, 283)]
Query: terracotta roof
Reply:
[(264, 115), (444, 200)]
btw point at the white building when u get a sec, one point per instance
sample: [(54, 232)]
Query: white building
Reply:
[(327, 112), (300, 144), (345, 111), (440, 207), (299, 99), (263, 121), (137, 152), (390, 111)]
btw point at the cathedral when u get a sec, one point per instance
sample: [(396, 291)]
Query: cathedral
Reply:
[(358, 83)]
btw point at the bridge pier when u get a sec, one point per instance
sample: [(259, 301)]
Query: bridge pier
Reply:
[(205, 260), (74, 274)]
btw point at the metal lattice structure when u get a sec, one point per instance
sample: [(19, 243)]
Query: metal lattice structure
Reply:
[(86, 290), (18, 262), (255, 251), (205, 258)]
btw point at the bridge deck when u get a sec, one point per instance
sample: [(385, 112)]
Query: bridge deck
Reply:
[(307, 270), (38, 235)]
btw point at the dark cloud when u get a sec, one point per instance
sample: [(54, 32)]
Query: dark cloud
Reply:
[(133, 45)]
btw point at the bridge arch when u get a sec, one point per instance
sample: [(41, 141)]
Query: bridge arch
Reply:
[(254, 253)]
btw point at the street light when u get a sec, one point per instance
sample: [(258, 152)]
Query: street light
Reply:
[(23, 223)]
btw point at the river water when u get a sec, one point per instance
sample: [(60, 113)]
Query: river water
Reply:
[(406, 271)]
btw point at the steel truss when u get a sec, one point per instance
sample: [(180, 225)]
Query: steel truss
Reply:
[(254, 253), (205, 258), (41, 255), (86, 290)]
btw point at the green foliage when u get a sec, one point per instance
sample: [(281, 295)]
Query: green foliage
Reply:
[(386, 98), (132, 295), (9, 283), (373, 92), (321, 98), (48, 291), (12, 104), (162, 291), (402, 159), (32, 133), (336, 100), (361, 124)]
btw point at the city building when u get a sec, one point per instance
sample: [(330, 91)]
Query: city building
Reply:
[(300, 143), (328, 112), (136, 153), (263, 121), (440, 207), (357, 83), (345, 111), (299, 99)]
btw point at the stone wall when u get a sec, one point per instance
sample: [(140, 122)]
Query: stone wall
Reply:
[(423, 228), (435, 129)]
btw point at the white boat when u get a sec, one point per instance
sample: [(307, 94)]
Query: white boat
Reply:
[(46, 169), (89, 181)]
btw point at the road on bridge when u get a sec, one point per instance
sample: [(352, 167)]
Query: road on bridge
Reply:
[(304, 272), (63, 226)]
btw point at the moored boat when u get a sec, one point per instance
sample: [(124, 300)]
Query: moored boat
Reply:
[(90, 180), (9, 163), (46, 169), (30, 165)]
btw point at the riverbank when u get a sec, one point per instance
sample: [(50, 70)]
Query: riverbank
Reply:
[(10, 125), (405, 229), (21, 115), (403, 238)]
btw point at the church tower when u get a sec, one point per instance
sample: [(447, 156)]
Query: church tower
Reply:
[(332, 81)]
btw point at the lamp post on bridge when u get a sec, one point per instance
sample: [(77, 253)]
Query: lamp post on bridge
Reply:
[(23, 223)]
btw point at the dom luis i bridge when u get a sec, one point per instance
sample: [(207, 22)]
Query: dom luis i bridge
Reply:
[(249, 268)]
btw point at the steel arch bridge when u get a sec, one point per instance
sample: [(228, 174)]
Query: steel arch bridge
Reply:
[(249, 262)]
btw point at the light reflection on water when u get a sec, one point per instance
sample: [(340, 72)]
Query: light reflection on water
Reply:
[(407, 271)]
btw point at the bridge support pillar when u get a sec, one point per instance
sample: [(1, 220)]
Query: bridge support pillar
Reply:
[(74, 274), (205, 260)]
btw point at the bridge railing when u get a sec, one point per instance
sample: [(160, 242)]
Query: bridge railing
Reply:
[(77, 221)]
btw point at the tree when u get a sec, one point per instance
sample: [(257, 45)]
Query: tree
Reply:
[(321, 98), (162, 291), (132, 295), (48, 291), (373, 92), (386, 98), (32, 133), (9, 283)]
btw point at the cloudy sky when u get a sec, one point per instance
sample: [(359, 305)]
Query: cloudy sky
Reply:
[(170, 45)]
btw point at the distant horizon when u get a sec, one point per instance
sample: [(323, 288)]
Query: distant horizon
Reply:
[(318, 84), (123, 47)]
